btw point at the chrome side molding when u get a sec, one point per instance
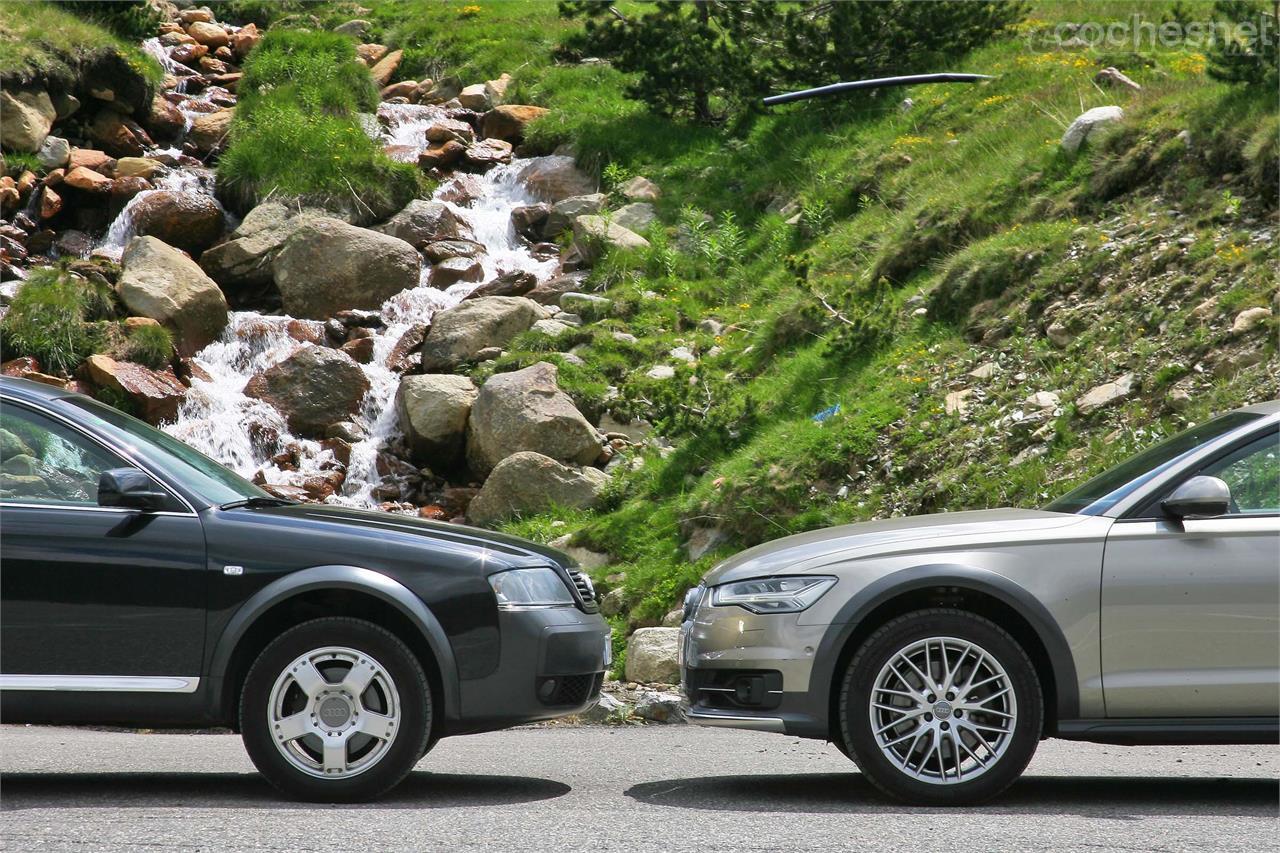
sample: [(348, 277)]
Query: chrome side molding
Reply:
[(102, 683)]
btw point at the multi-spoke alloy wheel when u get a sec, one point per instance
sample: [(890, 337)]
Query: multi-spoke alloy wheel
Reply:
[(941, 707), (336, 710), (943, 710), (333, 712)]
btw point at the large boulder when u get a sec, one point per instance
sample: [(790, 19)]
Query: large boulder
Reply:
[(155, 394), (556, 177), (456, 335), (422, 222), (245, 258), (594, 235), (636, 216), (433, 410), (564, 212), (326, 266), (312, 388), (653, 656), (189, 221), (209, 131), (526, 410), (529, 482), (1086, 125), (509, 122), (26, 117), (160, 282)]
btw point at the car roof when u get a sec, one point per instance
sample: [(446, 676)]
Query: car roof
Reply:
[(32, 392), (1271, 407)]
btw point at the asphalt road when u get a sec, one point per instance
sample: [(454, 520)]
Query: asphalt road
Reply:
[(632, 789)]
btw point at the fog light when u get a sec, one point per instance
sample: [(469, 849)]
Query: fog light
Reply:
[(749, 690), (547, 690)]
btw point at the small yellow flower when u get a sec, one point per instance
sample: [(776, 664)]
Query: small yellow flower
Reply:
[(744, 305)]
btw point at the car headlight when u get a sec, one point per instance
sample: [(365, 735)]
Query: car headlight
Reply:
[(530, 588), (772, 595)]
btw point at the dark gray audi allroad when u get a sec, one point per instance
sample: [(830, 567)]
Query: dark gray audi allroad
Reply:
[(144, 584)]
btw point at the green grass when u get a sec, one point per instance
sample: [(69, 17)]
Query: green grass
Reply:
[(40, 41), (54, 319), (296, 131), (149, 345)]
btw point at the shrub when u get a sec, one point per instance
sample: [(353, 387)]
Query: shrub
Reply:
[(48, 320), (1251, 55), (149, 345)]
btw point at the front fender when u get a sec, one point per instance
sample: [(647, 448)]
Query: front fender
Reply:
[(852, 615), (351, 578)]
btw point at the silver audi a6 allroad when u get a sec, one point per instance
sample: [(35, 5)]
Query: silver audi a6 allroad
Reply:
[(1141, 608)]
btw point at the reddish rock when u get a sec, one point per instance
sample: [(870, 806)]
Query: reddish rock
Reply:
[(189, 221), (50, 203), (324, 485), (312, 388), (208, 34), (20, 366), (286, 492), (403, 89), (369, 54), (245, 40), (404, 354), (92, 158), (433, 512), (119, 135), (489, 152), (156, 393), (213, 65), (444, 129), (123, 189), (360, 349), (209, 132), (86, 179), (453, 270), (385, 67), (55, 177), (461, 189), (509, 121), (442, 156), (165, 121), (306, 331), (188, 54)]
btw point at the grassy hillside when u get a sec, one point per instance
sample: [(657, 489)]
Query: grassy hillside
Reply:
[(39, 41), (930, 242)]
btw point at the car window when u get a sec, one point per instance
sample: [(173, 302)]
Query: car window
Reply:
[(1253, 475), (42, 461)]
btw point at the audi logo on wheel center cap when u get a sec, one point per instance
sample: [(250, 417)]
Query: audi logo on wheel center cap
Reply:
[(942, 710), (334, 711)]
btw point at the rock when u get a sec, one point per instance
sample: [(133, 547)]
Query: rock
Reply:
[(564, 212), (442, 156), (1058, 335), (160, 282), (607, 709), (422, 222), (123, 189), (454, 270), (157, 394), (1114, 77), (1086, 124), (584, 557), (549, 292), (360, 349), (191, 16), (526, 410), (119, 135), (189, 221), (529, 220), (588, 306), (555, 178), (510, 121), (1230, 362), (244, 40), (956, 402), (515, 283), (594, 235), (92, 159), (313, 388), (208, 132), (456, 335), (613, 602), (462, 188), (496, 90), (636, 431), (246, 258), (640, 189), (87, 180), (357, 28), (433, 410), (208, 34), (554, 328), (1248, 319), (444, 129), (636, 216), (50, 203), (652, 655), (984, 371), (54, 152), (385, 67), (527, 482), (326, 265), (138, 167), (1104, 395), (1180, 396), (189, 53), (26, 116), (660, 707), (488, 152), (703, 540), (164, 120), (661, 371), (442, 250), (474, 97), (369, 54)]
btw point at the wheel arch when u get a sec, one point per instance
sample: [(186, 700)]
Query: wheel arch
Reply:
[(329, 591), (980, 591)]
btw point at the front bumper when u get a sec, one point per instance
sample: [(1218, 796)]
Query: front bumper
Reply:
[(551, 664), (751, 671)]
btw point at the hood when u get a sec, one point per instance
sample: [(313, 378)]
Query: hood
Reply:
[(389, 527), (811, 551)]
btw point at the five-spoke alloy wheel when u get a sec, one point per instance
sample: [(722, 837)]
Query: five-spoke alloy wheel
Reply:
[(336, 710), (941, 707)]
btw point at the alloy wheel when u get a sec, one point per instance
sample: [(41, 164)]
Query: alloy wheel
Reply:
[(943, 710), (334, 712)]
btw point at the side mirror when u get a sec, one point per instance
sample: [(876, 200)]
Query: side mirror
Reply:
[(1199, 497), (130, 487)]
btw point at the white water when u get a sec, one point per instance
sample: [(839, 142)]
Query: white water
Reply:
[(219, 420)]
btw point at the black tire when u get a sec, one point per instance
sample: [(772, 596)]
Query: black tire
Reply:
[(857, 726), (413, 731)]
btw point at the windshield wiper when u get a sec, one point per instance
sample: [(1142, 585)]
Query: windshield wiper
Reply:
[(257, 501)]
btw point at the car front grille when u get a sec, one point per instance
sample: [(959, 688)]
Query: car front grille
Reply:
[(586, 590), (570, 689)]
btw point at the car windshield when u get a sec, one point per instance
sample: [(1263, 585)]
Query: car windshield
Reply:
[(1108, 488), (197, 472)]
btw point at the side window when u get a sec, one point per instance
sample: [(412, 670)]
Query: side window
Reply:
[(41, 461), (1253, 475)]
